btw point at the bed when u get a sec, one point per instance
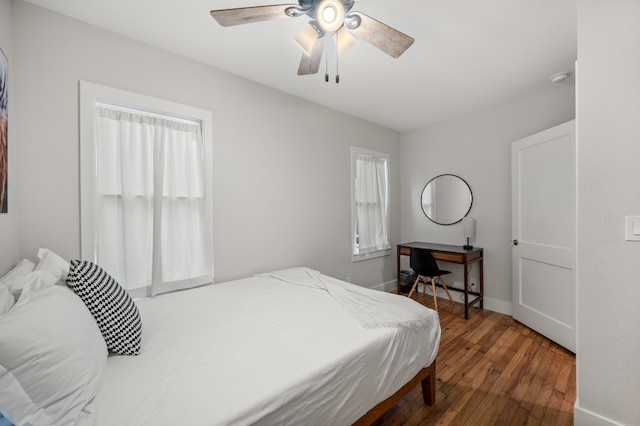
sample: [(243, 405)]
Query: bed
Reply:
[(286, 347)]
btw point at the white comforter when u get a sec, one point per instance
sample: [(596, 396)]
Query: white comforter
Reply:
[(275, 349)]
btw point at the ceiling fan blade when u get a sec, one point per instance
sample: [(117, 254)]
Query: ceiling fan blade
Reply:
[(310, 64), (382, 36), (248, 15)]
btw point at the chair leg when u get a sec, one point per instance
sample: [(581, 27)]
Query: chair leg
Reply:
[(433, 290), (414, 286), (444, 285)]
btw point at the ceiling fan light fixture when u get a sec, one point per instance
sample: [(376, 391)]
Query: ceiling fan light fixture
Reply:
[(307, 38), (344, 40), (330, 15)]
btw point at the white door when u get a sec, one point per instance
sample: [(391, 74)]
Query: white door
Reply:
[(544, 233)]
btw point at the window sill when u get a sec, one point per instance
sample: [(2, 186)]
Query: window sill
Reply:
[(361, 257)]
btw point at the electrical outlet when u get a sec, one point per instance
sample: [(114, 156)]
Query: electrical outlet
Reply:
[(473, 284), (348, 279)]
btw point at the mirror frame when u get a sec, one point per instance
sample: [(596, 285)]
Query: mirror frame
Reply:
[(463, 216)]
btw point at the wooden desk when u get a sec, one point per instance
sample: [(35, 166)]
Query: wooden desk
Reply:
[(453, 254)]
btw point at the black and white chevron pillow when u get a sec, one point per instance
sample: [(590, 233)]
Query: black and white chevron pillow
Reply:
[(113, 309)]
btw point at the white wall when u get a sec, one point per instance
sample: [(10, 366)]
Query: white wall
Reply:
[(281, 180), (478, 149), (281, 186), (608, 125), (9, 242)]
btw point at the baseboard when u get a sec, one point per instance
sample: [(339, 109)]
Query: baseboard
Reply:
[(498, 305), (584, 417), (388, 286)]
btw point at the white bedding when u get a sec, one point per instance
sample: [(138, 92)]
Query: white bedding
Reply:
[(263, 350)]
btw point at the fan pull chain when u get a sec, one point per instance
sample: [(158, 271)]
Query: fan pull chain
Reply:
[(326, 65), (326, 61), (337, 56)]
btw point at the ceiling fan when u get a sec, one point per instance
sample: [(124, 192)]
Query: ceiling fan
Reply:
[(326, 17)]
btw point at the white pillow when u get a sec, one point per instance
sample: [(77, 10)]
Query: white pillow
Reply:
[(6, 300), (34, 282), (51, 262), (14, 279), (51, 360)]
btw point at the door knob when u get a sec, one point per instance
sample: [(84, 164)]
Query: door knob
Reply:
[(515, 242)]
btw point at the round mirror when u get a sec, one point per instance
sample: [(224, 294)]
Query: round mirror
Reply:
[(446, 199)]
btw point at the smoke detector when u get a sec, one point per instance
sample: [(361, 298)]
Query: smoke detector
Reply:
[(559, 77)]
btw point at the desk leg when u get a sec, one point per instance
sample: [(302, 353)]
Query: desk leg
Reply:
[(481, 284), (466, 291), (398, 271)]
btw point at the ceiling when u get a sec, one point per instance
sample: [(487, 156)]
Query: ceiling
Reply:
[(468, 55)]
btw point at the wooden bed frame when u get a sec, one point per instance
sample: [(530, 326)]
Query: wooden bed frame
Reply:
[(426, 376)]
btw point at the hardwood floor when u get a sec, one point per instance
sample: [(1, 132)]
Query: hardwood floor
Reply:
[(491, 370)]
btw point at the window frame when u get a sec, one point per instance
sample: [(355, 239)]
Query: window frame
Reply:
[(358, 257), (90, 95)]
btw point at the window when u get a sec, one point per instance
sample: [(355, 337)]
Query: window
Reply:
[(370, 204), (146, 190)]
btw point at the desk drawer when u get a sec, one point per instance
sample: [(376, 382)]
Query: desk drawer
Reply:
[(438, 255), (448, 257), (405, 251)]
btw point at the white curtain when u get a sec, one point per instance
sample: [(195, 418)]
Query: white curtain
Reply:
[(372, 205), (151, 225)]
